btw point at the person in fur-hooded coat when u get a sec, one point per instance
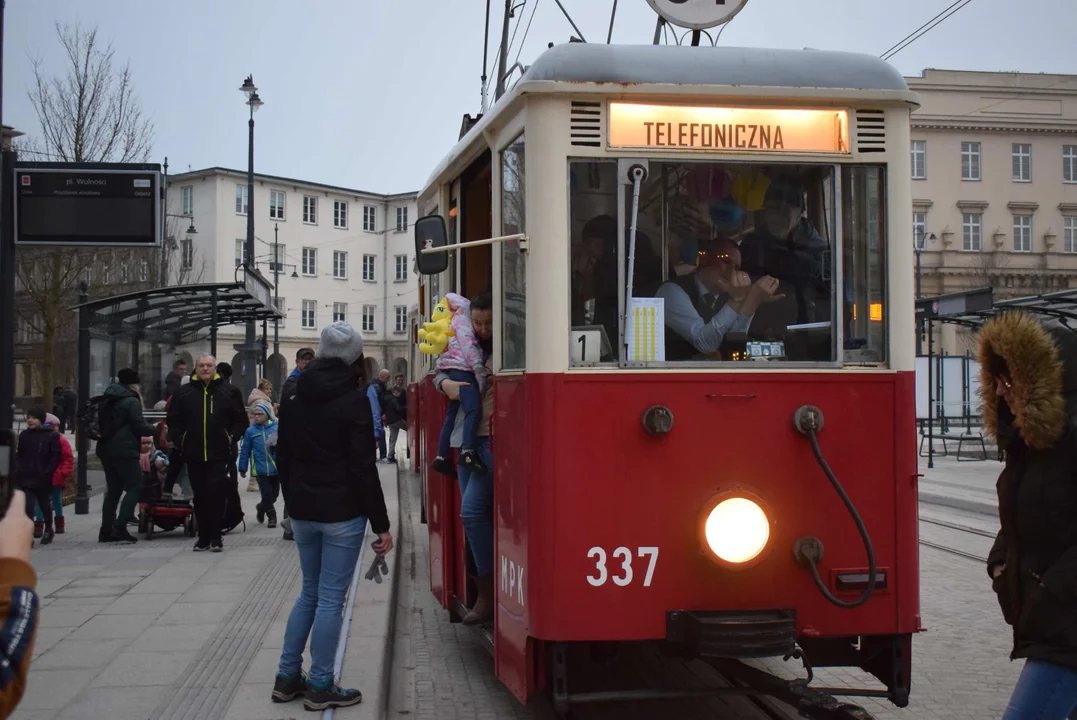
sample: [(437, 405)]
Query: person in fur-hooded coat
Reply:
[(1028, 375)]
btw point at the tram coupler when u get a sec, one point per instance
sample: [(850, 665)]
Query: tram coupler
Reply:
[(732, 634)]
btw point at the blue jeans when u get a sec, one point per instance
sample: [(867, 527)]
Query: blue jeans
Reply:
[(477, 508), (57, 496), (471, 402), (1044, 691), (327, 555), (269, 485)]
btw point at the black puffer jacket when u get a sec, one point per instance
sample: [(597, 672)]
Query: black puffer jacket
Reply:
[(205, 420), (36, 458), (326, 452), (1037, 490)]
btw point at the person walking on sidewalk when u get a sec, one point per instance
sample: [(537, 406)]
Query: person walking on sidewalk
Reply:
[(257, 453), (59, 481), (1028, 373), (119, 453), (394, 413), (327, 455), (36, 460), (204, 418), (303, 358)]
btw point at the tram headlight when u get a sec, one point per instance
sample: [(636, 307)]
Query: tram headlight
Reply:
[(737, 530)]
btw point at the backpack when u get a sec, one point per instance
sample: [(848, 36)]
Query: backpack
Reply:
[(96, 418)]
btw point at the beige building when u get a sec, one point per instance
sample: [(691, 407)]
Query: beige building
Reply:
[(994, 184)]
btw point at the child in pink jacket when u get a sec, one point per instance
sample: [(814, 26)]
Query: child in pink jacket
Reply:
[(462, 361)]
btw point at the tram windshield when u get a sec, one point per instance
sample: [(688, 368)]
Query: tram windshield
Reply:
[(732, 262)]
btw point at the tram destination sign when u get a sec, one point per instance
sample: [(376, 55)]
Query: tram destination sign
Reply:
[(88, 204), (727, 129)]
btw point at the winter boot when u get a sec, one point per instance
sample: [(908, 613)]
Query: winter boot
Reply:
[(271, 514), (105, 536), (121, 534), (39, 528), (47, 535), (60, 529), (261, 513), (483, 609)]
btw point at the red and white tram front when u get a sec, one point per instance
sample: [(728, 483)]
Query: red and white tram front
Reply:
[(704, 421)]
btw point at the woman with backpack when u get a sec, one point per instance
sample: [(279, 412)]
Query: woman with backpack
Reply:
[(119, 449)]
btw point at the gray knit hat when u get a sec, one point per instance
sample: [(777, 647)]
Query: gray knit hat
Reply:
[(340, 340)]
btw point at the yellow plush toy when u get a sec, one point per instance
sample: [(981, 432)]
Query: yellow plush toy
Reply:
[(436, 333)]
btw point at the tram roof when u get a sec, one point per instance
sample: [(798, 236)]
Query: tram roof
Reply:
[(655, 66), (719, 66)]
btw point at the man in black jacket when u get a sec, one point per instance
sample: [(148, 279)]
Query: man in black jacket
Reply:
[(204, 420), (302, 358), (327, 462)]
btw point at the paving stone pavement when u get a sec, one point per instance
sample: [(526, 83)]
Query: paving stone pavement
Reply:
[(153, 630)]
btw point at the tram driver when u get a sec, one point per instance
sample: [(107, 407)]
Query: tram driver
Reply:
[(701, 308)]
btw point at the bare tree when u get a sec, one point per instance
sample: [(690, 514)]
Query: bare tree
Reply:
[(89, 112)]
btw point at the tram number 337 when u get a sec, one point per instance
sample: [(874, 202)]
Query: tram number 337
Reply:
[(620, 570)]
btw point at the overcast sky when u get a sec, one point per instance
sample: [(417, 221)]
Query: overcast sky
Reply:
[(369, 94)]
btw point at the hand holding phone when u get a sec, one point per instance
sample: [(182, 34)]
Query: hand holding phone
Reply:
[(16, 530)]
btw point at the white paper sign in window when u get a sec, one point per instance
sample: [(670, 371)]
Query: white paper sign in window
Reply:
[(645, 330)]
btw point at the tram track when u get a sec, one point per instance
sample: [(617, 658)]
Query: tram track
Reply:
[(965, 529), (962, 528)]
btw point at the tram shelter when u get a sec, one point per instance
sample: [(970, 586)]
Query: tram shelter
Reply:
[(971, 309), (141, 330)]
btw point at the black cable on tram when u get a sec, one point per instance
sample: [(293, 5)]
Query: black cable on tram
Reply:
[(809, 550)]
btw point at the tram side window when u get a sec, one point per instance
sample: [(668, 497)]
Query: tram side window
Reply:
[(864, 260), (513, 262), (735, 261), (595, 284)]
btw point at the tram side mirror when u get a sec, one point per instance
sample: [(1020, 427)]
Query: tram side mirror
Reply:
[(430, 233)]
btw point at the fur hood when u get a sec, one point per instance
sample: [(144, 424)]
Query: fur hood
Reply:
[(1042, 365)]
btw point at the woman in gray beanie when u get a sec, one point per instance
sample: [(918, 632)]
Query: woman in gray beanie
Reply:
[(327, 463)]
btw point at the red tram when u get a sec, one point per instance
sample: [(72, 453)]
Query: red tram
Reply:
[(755, 495)]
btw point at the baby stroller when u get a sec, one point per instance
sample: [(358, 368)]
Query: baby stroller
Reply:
[(159, 510)]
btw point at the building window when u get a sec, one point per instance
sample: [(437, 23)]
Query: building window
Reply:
[(919, 159), (1070, 237), (186, 254), (282, 306), (368, 318), (368, 267), (241, 252), (401, 219), (310, 310), (919, 230), (370, 223), (187, 206), (401, 262), (1022, 233), (340, 214), (340, 312), (124, 274), (970, 161), (276, 204), (1022, 162), (340, 264), (242, 201), (970, 231), (143, 271), (310, 262), (276, 252), (1069, 163), (401, 325), (310, 210)]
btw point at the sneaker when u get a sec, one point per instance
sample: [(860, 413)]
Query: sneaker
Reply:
[(470, 459), (216, 547), (261, 513), (201, 547), (332, 696), (121, 534), (391, 461), (286, 689)]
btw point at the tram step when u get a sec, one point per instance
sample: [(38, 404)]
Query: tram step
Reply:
[(732, 634)]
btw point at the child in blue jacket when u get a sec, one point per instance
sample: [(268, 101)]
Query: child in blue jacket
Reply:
[(259, 453)]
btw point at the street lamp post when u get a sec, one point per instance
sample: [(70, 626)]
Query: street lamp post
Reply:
[(276, 298), (253, 102)]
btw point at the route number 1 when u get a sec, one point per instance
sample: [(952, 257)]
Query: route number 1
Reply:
[(622, 576)]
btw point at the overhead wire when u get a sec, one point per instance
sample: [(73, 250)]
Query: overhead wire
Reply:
[(925, 28)]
